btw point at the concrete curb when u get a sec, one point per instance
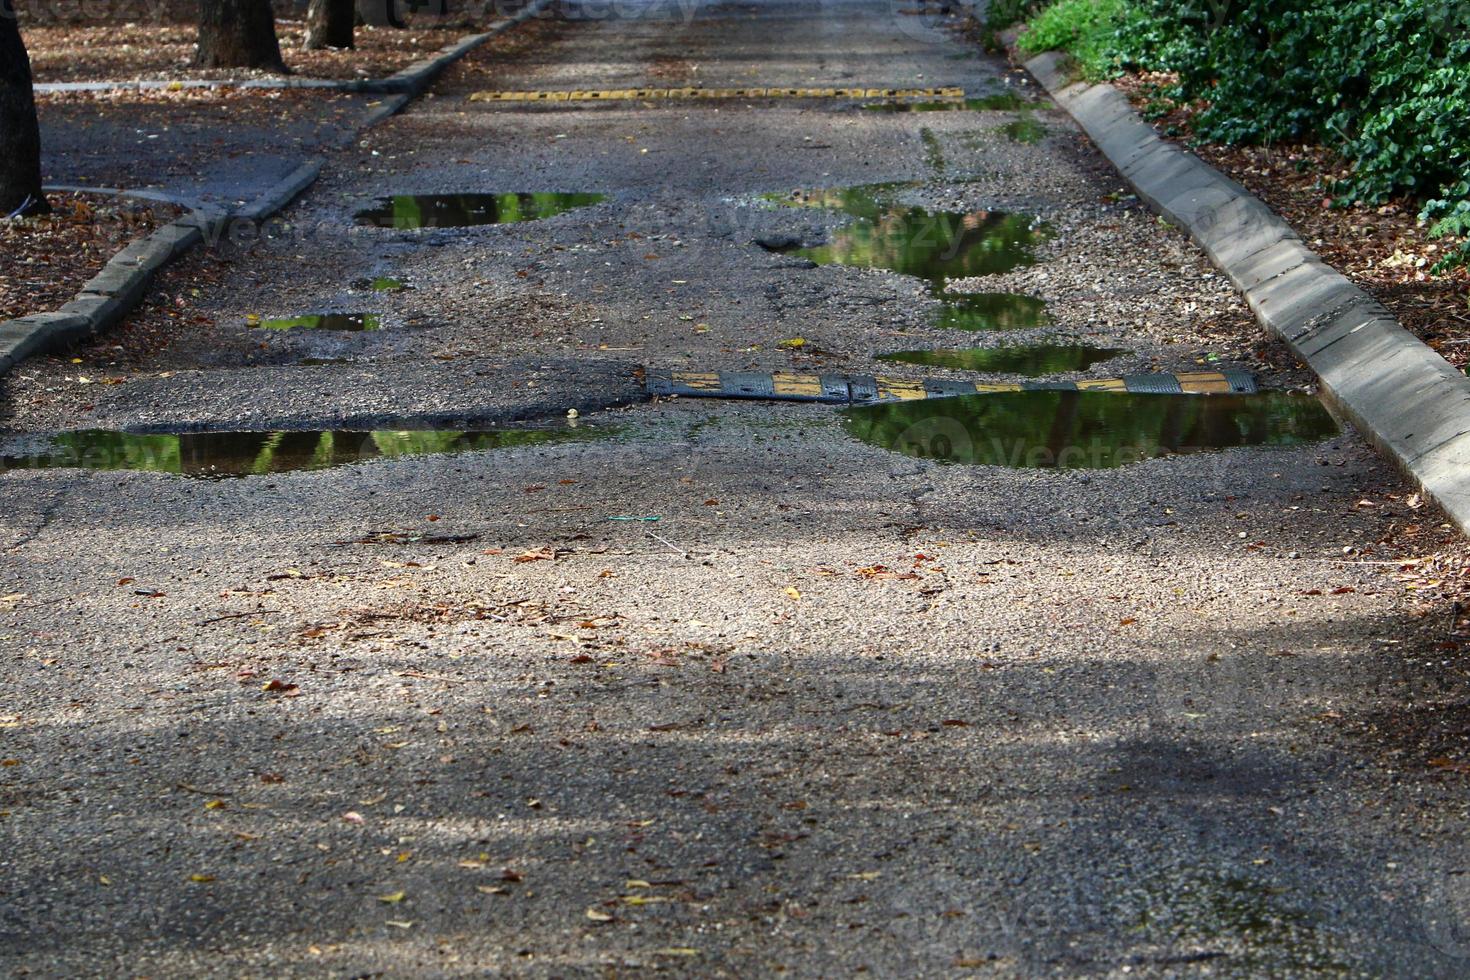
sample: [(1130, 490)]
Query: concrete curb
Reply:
[(411, 81), (1406, 399), (111, 294)]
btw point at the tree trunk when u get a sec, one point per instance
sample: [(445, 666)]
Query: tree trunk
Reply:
[(329, 24), (378, 13), (238, 34), (20, 135)]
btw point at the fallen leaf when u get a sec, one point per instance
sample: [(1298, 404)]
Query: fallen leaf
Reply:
[(201, 879), (794, 593), (597, 915), (392, 898)]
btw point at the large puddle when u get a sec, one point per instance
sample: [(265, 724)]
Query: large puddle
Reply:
[(404, 211), (225, 454), (1085, 430), (990, 311), (1032, 361), (935, 246)]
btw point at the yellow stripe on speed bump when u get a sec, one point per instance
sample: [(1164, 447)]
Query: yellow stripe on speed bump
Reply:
[(796, 385), (1103, 384), (855, 389), (1204, 383), (891, 388), (637, 94)]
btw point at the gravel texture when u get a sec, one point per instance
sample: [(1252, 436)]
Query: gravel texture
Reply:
[(837, 710)]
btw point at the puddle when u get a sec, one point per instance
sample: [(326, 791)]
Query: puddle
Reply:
[(404, 211), (355, 322), (1024, 130), (1032, 361), (227, 454), (1000, 102), (1086, 430), (931, 245), (990, 311)]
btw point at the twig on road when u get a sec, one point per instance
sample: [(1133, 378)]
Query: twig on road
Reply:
[(676, 549)]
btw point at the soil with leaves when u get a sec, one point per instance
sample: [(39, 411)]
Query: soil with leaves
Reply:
[(130, 52), (1386, 250), (48, 257)]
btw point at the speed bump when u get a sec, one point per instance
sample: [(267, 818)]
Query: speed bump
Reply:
[(841, 389), (642, 94)]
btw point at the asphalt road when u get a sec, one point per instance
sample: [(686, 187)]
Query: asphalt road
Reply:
[(704, 687)]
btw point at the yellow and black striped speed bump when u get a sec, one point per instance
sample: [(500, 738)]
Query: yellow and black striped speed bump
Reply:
[(655, 94), (862, 389)]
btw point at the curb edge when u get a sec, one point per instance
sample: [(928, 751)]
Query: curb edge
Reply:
[(1406, 399), (107, 298)]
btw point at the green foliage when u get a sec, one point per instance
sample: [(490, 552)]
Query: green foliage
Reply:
[(1086, 28), (1001, 14), (1384, 82)]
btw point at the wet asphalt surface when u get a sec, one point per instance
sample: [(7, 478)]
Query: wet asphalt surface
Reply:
[(703, 688), (199, 148)]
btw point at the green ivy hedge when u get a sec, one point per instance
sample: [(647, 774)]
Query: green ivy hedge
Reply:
[(1386, 83)]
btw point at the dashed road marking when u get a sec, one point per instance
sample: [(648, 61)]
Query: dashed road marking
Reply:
[(861, 389)]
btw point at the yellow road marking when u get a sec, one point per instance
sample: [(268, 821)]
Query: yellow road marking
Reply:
[(803, 385), (1103, 384), (628, 94), (708, 380), (791, 385), (902, 390), (1204, 382)]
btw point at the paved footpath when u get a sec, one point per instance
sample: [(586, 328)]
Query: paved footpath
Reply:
[(840, 708)]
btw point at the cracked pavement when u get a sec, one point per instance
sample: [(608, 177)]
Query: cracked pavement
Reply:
[(836, 710)]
